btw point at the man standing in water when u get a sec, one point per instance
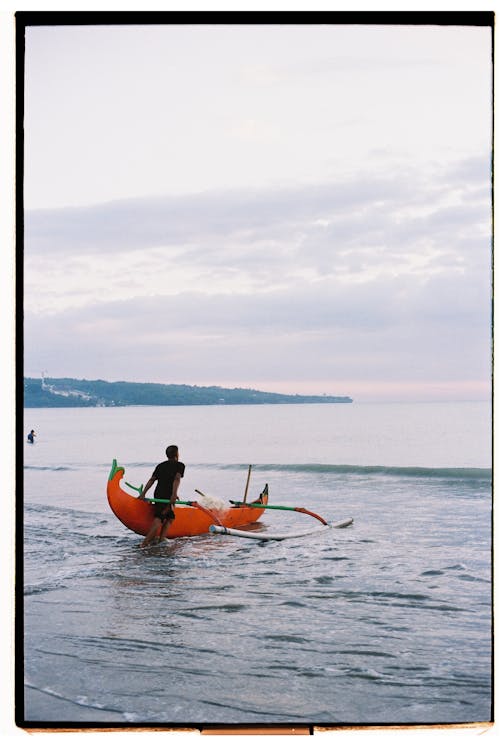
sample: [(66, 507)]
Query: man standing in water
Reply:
[(31, 437), (168, 476)]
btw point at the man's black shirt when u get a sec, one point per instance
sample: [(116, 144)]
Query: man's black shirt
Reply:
[(165, 475)]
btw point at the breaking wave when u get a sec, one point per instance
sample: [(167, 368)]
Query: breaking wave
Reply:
[(457, 473)]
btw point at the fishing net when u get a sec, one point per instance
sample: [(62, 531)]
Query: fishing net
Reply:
[(211, 501)]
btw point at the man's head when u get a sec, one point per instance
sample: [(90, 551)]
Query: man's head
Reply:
[(172, 452)]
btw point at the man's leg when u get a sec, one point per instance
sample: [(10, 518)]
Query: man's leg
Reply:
[(152, 532), (165, 527)]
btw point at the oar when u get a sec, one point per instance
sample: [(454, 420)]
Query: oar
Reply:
[(280, 508)]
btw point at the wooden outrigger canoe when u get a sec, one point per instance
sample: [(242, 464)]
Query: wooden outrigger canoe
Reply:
[(191, 517)]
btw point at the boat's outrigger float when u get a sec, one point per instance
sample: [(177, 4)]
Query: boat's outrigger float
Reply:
[(194, 518)]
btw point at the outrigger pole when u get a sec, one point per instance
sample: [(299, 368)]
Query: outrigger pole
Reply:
[(265, 536), (282, 508)]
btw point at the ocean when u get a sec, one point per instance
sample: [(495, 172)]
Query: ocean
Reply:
[(387, 621)]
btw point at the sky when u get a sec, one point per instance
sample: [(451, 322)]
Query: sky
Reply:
[(292, 208)]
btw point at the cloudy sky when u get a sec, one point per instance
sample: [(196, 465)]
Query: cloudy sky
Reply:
[(296, 208)]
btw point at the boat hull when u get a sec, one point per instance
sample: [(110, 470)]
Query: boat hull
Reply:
[(189, 521)]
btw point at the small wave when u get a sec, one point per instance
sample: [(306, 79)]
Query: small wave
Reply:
[(468, 577), (293, 603), (31, 589), (284, 638), (49, 468), (225, 607), (366, 652), (94, 517), (136, 465), (82, 701), (432, 573), (324, 579), (454, 473)]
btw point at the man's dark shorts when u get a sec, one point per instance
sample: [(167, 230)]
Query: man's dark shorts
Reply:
[(163, 511)]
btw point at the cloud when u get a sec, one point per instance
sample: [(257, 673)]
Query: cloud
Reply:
[(158, 221), (386, 278), (387, 330), (307, 226)]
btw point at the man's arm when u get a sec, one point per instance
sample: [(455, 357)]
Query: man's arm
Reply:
[(175, 487), (150, 482)]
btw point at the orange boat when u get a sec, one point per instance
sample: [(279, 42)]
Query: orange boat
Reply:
[(191, 517)]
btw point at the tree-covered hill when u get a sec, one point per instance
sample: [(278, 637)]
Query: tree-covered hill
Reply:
[(83, 393)]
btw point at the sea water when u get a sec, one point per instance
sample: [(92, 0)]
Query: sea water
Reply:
[(385, 622)]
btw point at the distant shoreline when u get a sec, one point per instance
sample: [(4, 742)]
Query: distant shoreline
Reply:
[(55, 393)]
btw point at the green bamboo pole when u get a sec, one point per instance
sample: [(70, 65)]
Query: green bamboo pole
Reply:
[(166, 500), (280, 508), (266, 505)]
